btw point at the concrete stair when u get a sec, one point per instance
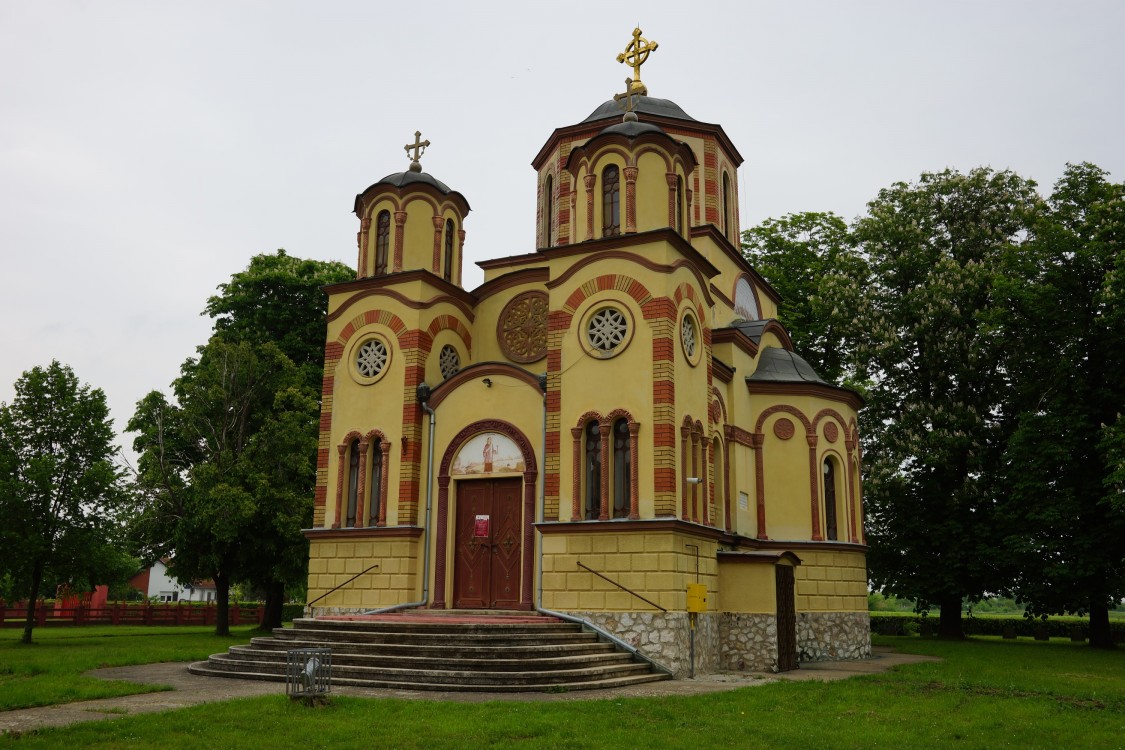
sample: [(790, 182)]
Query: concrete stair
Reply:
[(447, 650)]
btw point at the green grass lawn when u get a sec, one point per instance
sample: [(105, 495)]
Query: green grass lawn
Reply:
[(986, 693), (50, 670)]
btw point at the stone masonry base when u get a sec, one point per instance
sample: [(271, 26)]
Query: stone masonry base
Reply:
[(733, 641)]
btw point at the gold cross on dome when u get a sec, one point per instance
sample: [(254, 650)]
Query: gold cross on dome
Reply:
[(635, 54), (627, 96), (419, 148)]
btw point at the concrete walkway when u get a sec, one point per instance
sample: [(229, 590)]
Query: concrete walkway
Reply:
[(189, 690)]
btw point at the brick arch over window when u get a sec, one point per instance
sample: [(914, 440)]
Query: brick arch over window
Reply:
[(757, 443), (530, 474), (603, 283), (380, 317), (687, 291), (446, 322)]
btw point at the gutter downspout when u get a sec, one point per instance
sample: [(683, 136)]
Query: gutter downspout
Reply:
[(602, 634), (423, 393)]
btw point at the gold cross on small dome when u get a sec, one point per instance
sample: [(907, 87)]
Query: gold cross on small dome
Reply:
[(419, 148), (635, 54)]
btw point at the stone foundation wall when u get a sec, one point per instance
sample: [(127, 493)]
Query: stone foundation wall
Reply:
[(748, 642), (825, 636), (665, 637), (735, 642)]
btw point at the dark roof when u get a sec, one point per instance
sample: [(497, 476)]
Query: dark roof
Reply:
[(752, 329), (632, 129), (780, 366), (641, 105), (402, 179)]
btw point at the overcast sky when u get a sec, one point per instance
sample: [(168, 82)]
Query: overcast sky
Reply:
[(149, 149)]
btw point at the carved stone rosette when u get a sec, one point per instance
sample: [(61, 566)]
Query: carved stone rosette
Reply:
[(522, 328)]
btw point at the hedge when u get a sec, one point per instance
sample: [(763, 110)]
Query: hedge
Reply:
[(910, 623)]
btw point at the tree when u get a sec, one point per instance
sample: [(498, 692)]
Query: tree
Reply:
[(60, 496), (810, 259), (208, 465), (934, 425), (1062, 473), (274, 309), (278, 298)]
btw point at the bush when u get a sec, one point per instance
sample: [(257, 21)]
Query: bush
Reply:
[(290, 612), (909, 623)]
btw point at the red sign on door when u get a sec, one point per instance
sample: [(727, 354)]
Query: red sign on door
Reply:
[(480, 526)]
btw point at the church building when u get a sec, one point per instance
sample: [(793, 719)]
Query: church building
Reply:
[(613, 426)]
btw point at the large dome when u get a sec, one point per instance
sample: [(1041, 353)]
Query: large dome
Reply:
[(402, 179), (642, 105)]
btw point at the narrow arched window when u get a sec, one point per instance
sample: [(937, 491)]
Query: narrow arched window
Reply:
[(353, 482), (382, 241), (622, 468), (726, 196), (679, 204), (611, 201), (375, 483), (448, 273), (549, 212), (593, 470), (829, 499)]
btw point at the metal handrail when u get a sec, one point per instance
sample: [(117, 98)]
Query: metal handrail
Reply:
[(342, 585), (618, 585)]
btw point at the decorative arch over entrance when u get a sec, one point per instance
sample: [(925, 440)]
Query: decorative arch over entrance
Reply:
[(530, 474)]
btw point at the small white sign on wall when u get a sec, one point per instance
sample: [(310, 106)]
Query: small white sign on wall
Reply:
[(743, 501)]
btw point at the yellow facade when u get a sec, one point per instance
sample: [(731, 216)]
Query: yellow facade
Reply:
[(601, 421)]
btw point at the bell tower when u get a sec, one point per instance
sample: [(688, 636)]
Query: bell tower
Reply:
[(411, 221)]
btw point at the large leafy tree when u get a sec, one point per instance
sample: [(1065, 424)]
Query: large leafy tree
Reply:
[(278, 299), (240, 437), (215, 484), (811, 260), (1063, 470), (934, 425), (60, 494)]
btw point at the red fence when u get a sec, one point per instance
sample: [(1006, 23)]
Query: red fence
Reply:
[(121, 613)]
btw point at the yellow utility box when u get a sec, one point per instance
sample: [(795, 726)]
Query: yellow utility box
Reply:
[(696, 597)]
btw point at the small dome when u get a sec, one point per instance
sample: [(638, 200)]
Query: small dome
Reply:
[(632, 129), (642, 104), (402, 179), (781, 366)]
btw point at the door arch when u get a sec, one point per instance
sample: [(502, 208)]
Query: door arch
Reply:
[(444, 521)]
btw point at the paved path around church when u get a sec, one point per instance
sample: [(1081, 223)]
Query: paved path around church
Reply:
[(189, 690)]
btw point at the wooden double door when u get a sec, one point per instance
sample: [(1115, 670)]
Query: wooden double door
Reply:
[(488, 544)]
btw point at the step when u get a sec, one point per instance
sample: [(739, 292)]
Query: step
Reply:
[(494, 651), (205, 669), (449, 651), (450, 678), (542, 663), (457, 637)]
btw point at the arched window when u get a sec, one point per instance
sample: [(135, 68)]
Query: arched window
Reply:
[(679, 204), (622, 468), (353, 483), (448, 272), (382, 241), (375, 483), (830, 499), (611, 202), (593, 469), (726, 196), (549, 211)]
